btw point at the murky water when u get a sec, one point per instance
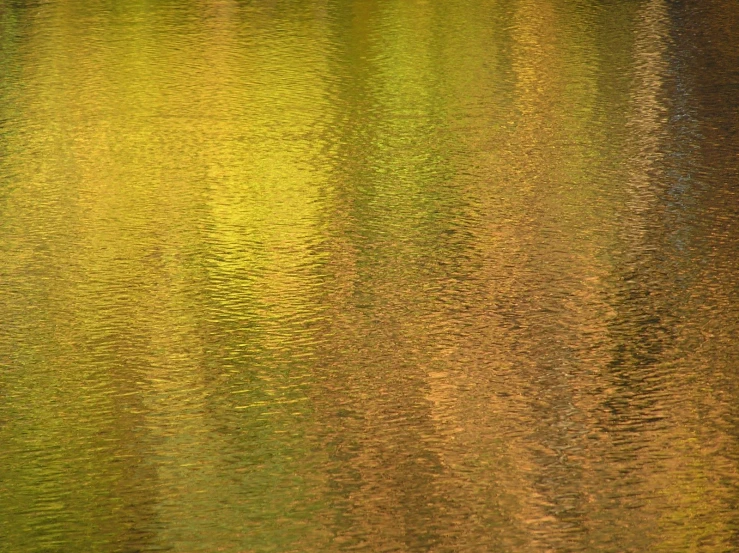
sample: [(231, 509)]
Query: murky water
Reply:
[(369, 275)]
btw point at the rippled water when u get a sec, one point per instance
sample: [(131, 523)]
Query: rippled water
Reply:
[(369, 275)]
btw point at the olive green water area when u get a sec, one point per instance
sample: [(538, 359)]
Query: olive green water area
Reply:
[(369, 275)]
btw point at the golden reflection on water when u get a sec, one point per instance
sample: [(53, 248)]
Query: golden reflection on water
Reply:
[(372, 275)]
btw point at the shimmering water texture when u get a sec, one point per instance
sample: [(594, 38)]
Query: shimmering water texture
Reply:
[(369, 275)]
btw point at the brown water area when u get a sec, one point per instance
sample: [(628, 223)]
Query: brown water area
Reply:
[(321, 276)]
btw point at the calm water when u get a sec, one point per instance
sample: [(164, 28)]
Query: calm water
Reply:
[(369, 275)]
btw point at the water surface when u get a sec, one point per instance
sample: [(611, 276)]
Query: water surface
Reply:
[(369, 275)]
